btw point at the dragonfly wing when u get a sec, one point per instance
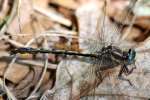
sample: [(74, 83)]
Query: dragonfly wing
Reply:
[(96, 39), (81, 77), (105, 32), (116, 21), (87, 26), (110, 33)]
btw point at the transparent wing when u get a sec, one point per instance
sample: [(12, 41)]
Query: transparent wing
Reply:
[(108, 33), (117, 20), (95, 71), (94, 46)]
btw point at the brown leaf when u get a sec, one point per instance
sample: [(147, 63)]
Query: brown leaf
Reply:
[(17, 73), (23, 88)]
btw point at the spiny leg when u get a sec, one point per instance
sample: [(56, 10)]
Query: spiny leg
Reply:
[(97, 74), (98, 70), (127, 71), (122, 70)]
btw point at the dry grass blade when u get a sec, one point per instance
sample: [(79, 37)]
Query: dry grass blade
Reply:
[(9, 93), (12, 15), (133, 3), (43, 74), (8, 69)]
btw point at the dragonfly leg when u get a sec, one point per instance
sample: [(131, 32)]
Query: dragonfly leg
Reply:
[(127, 71), (121, 77)]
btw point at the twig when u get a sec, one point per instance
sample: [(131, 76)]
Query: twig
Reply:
[(5, 56), (116, 94), (53, 16), (35, 63), (13, 42)]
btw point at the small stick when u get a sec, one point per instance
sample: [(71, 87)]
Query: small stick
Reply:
[(53, 16)]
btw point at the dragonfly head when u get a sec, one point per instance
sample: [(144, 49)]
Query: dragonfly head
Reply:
[(131, 56)]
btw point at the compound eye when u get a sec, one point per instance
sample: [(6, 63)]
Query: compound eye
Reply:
[(131, 55)]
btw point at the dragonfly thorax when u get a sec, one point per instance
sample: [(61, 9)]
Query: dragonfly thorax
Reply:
[(116, 56)]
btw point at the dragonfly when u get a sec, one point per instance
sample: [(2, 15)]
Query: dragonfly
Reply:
[(110, 52), (100, 57)]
